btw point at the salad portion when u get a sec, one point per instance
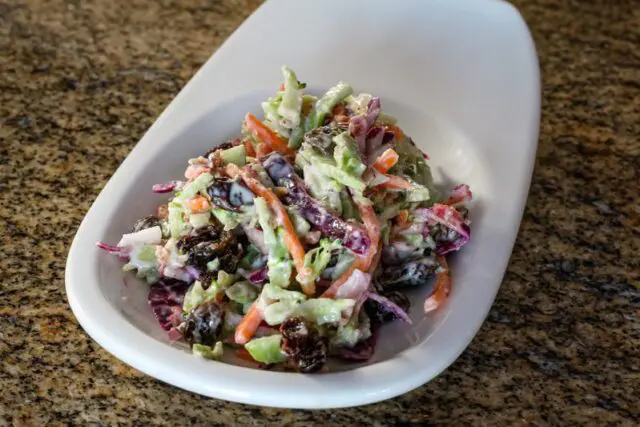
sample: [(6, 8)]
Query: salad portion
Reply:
[(294, 242)]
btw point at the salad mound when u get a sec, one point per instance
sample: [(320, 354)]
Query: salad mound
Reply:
[(294, 243)]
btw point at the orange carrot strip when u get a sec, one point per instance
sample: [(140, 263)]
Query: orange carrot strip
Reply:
[(386, 161), (403, 217), (291, 241), (443, 287), (248, 146), (372, 225), (198, 204), (248, 325), (397, 132), (376, 259), (395, 183), (452, 201), (266, 135), (281, 87), (262, 150)]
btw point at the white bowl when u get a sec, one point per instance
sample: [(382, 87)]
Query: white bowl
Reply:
[(463, 80)]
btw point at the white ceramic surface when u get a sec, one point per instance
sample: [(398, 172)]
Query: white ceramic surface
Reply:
[(463, 79)]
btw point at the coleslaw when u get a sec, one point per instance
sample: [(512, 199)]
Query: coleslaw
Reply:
[(294, 242)]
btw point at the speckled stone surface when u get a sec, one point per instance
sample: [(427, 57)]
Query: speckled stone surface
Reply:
[(81, 81)]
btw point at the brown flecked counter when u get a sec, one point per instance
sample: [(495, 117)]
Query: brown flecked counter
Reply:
[(80, 82)]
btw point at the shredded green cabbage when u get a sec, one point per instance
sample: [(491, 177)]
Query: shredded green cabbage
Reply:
[(346, 155), (196, 294), (143, 259), (325, 104), (280, 266), (266, 349), (212, 353), (242, 292), (199, 220), (325, 310), (318, 258), (349, 334), (236, 155)]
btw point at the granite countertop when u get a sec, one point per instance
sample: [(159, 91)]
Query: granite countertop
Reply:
[(80, 82)]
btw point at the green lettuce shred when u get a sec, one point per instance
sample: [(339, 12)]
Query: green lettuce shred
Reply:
[(266, 349), (212, 353), (325, 104)]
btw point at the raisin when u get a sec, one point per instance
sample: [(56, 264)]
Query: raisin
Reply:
[(209, 243), (219, 192), (321, 138), (204, 324), (163, 212), (146, 222), (229, 195), (305, 348), (379, 313), (410, 274), (223, 146)]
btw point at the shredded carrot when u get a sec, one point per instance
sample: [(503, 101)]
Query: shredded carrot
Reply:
[(452, 201), (262, 150), (291, 240), (281, 87), (376, 259), (248, 325), (397, 132), (248, 146), (266, 135), (338, 109), (386, 161), (395, 183), (198, 204), (403, 217), (372, 225), (442, 287), (280, 191)]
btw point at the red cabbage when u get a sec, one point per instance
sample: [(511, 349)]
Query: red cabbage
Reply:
[(461, 192), (391, 306), (371, 140), (121, 251), (166, 187), (363, 350), (448, 217), (352, 235), (165, 298), (259, 276), (110, 248), (192, 272)]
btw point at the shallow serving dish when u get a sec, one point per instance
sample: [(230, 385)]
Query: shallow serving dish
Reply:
[(462, 78)]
